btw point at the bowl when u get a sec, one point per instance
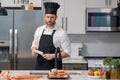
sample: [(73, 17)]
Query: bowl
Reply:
[(94, 77)]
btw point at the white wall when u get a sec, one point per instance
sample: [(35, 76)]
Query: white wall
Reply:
[(99, 43)]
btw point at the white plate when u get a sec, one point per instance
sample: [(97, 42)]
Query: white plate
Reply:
[(94, 77)]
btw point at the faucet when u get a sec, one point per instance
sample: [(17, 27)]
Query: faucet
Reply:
[(58, 59)]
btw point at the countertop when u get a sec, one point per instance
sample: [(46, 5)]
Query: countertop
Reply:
[(74, 60), (74, 75)]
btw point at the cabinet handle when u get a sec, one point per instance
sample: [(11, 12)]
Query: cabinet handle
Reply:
[(62, 22), (106, 2), (66, 24), (109, 2)]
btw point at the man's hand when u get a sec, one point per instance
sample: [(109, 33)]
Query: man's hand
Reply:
[(49, 56), (33, 52)]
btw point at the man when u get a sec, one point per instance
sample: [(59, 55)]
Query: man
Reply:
[(48, 37)]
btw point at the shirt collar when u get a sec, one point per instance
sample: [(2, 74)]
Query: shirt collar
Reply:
[(55, 28)]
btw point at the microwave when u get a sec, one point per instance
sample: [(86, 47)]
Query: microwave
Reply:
[(101, 19)]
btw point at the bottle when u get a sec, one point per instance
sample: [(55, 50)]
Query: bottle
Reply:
[(31, 6), (107, 72), (113, 74), (104, 73)]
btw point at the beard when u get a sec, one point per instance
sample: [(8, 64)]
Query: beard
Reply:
[(50, 23)]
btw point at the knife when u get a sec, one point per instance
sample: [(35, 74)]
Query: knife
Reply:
[(39, 52)]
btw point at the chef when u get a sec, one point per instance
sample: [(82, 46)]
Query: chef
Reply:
[(48, 37)]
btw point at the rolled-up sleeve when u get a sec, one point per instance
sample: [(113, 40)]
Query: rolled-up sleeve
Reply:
[(65, 43), (36, 39), (61, 40)]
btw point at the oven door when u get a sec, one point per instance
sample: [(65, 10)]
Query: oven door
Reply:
[(101, 20), (95, 63)]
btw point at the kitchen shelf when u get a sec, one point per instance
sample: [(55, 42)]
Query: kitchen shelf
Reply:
[(35, 8)]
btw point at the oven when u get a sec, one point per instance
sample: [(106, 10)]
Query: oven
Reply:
[(101, 19)]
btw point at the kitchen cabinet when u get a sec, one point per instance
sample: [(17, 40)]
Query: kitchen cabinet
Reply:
[(71, 15), (18, 3), (101, 3), (75, 66)]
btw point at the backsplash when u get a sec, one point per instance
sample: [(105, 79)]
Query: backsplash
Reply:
[(100, 44)]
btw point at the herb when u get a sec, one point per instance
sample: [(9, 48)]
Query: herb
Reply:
[(115, 62), (107, 60), (93, 69)]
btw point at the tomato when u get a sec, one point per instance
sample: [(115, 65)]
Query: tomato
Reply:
[(101, 71), (91, 73)]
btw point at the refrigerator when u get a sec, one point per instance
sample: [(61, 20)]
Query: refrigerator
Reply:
[(16, 35)]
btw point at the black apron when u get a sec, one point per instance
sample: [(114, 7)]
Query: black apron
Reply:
[(46, 46)]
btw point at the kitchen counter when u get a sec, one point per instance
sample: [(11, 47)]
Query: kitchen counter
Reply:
[(74, 75), (75, 64), (74, 60)]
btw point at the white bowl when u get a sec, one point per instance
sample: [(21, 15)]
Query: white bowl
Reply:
[(94, 77)]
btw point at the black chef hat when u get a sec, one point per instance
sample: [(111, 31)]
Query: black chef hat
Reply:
[(51, 7)]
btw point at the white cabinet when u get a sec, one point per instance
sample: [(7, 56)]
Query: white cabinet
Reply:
[(101, 3), (75, 16), (71, 15)]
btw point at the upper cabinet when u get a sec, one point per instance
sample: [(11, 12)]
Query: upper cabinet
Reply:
[(101, 3), (71, 15), (18, 3), (75, 16)]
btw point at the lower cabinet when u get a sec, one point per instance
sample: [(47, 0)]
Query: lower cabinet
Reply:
[(75, 66)]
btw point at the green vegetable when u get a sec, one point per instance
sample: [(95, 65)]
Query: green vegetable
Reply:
[(115, 62), (107, 60), (93, 69)]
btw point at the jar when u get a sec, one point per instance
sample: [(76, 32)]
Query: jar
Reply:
[(118, 72), (31, 7)]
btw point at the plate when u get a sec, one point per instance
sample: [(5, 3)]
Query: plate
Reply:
[(58, 77), (94, 77)]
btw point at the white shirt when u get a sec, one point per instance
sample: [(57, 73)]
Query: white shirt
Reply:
[(60, 38)]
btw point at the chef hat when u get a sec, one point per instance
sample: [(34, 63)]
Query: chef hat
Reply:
[(51, 7)]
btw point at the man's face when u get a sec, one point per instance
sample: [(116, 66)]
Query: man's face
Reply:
[(50, 19)]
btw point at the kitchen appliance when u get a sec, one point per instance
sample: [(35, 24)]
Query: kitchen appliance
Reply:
[(16, 35), (76, 50), (100, 19), (95, 62)]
